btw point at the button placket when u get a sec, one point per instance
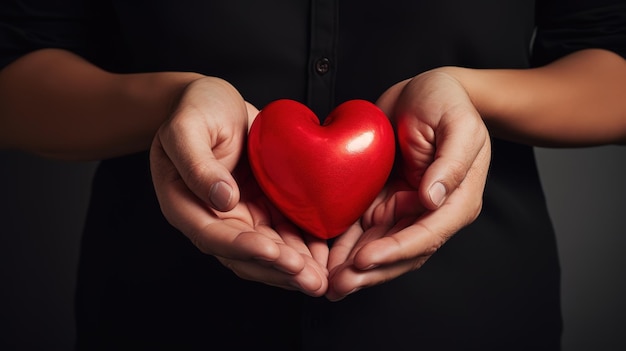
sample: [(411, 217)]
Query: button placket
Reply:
[(322, 56)]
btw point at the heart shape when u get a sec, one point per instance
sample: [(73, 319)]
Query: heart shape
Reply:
[(321, 177)]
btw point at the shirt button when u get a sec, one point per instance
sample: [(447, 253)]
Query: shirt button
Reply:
[(322, 66)]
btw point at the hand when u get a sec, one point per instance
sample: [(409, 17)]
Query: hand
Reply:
[(195, 157), (436, 190)]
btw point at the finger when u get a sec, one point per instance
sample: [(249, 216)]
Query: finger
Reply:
[(342, 246), (349, 279), (291, 238), (261, 257), (416, 240), (175, 199), (459, 141), (399, 200), (309, 280), (312, 278), (208, 178), (290, 235), (319, 251)]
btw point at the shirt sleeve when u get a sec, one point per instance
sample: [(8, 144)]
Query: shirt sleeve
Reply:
[(28, 25), (565, 26)]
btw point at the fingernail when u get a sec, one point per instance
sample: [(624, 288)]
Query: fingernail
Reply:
[(220, 195), (437, 193)]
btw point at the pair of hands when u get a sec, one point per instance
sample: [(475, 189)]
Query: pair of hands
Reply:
[(207, 191)]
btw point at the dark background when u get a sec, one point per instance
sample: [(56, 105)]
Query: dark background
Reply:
[(43, 203)]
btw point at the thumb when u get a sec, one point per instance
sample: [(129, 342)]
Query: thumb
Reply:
[(460, 145), (197, 167)]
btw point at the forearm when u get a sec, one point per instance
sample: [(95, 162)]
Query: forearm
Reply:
[(56, 104), (577, 101)]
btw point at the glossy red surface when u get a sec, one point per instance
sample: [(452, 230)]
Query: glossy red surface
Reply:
[(321, 177)]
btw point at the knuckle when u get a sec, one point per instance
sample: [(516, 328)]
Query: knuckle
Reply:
[(419, 262), (194, 175), (458, 171)]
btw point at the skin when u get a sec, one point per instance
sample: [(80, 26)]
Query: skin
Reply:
[(195, 127)]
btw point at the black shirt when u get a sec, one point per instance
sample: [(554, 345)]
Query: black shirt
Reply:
[(494, 285)]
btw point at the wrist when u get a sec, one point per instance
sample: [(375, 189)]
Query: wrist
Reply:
[(500, 96), (478, 85), (148, 99)]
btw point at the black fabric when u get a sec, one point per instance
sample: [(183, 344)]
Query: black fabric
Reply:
[(30, 25), (142, 284), (567, 26)]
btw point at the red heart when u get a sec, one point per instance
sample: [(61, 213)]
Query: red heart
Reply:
[(321, 177)]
